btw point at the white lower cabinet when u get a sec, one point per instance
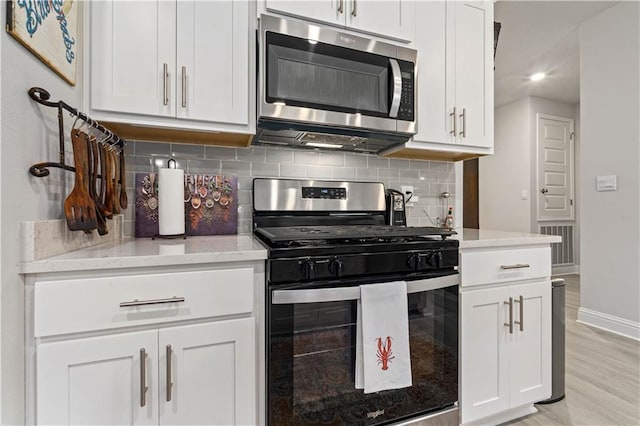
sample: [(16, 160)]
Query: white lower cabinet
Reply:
[(506, 349), (172, 347), (195, 374)]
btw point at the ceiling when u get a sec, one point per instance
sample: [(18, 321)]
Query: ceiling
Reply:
[(540, 36)]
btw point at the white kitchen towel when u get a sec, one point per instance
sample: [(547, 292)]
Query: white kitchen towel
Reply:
[(383, 360)]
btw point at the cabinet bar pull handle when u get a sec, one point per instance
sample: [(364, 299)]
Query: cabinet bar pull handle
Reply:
[(165, 85), (455, 122), (516, 266), (354, 8), (169, 383), (143, 377), (137, 302), (463, 133), (184, 87), (510, 323), (520, 300), (341, 6)]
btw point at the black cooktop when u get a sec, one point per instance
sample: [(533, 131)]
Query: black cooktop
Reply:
[(349, 234)]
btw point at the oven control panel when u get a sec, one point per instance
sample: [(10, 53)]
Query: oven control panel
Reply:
[(324, 193)]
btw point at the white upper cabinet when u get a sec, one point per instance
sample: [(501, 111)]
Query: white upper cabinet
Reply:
[(212, 60), (389, 18), (185, 62), (132, 44), (454, 40)]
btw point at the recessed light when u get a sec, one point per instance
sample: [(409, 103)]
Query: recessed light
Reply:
[(537, 76)]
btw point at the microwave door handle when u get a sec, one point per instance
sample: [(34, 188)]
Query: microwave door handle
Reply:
[(341, 294), (397, 88)]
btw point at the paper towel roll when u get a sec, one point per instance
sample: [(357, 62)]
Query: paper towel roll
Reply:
[(171, 201)]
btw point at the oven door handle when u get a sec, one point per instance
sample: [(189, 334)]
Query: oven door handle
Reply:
[(339, 294)]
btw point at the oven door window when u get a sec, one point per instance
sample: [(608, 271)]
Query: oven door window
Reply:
[(326, 77), (311, 365)]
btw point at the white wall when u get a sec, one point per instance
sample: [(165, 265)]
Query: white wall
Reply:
[(504, 175), (28, 135), (610, 111), (577, 184)]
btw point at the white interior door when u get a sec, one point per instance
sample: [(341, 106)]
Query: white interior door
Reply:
[(555, 168)]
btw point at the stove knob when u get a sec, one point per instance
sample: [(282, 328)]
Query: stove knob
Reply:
[(336, 266), (309, 269), (435, 260), (416, 260)]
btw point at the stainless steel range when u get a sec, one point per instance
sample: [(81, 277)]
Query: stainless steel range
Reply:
[(326, 239)]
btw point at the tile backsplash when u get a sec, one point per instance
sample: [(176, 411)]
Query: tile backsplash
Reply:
[(429, 178)]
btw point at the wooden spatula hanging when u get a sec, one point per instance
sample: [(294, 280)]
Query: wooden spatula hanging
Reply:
[(79, 207), (123, 186), (106, 190), (101, 221)]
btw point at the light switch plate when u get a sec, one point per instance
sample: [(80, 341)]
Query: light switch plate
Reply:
[(607, 183)]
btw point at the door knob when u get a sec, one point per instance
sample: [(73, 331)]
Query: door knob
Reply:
[(544, 190)]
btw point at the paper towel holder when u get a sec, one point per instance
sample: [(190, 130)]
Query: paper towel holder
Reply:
[(171, 164)]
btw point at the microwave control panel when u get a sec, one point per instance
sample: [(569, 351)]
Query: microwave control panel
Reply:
[(407, 99)]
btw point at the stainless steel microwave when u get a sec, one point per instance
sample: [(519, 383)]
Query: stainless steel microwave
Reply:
[(314, 80)]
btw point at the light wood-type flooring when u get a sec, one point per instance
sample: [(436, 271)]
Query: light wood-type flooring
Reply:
[(602, 382)]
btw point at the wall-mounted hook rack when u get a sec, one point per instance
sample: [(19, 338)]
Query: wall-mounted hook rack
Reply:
[(42, 97)]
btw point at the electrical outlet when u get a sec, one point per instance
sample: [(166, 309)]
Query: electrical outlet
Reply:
[(407, 191)]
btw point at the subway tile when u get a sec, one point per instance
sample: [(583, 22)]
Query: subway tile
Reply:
[(265, 170), (238, 168), (256, 154), (419, 165), (244, 196), (355, 160), (306, 157), (321, 172), (139, 164), (245, 182), (244, 226), (281, 156), (128, 228), (410, 174), (389, 174), (439, 166), (220, 153), (245, 212), (204, 166), (427, 176), (152, 148), (447, 177), (187, 150), (129, 148), (331, 159), (377, 162), (438, 188), (293, 171), (344, 173), (396, 163), (366, 174)]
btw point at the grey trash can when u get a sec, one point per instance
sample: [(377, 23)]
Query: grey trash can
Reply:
[(557, 341)]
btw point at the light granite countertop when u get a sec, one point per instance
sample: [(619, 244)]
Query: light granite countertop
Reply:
[(484, 238), (144, 252)]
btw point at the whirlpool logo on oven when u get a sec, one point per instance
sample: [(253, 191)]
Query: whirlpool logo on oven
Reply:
[(374, 414)]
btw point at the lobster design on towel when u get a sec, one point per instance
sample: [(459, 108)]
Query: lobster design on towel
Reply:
[(384, 353)]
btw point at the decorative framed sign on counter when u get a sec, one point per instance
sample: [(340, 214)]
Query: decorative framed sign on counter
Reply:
[(49, 29)]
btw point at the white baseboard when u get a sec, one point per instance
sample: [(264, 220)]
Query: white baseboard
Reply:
[(609, 323), (565, 270)]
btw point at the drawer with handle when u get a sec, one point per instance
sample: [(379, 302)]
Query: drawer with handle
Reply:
[(496, 266), (79, 305)]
